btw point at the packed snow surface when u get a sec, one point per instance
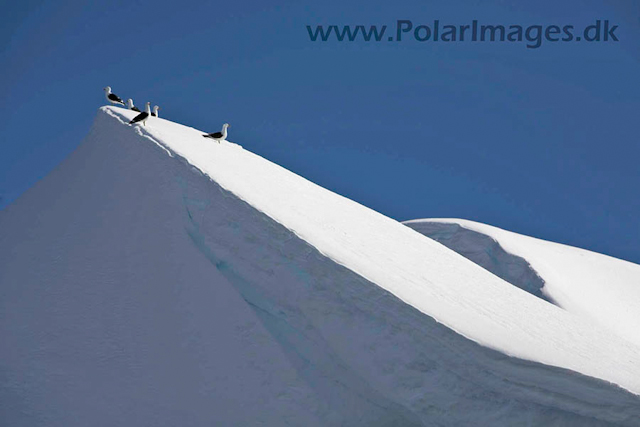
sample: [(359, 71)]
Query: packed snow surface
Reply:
[(157, 277), (596, 286)]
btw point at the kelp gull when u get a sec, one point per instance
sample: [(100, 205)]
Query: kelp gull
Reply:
[(142, 117), (112, 97), (131, 106), (219, 136)]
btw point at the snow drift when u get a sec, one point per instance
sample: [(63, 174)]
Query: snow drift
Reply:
[(596, 286), (159, 278)]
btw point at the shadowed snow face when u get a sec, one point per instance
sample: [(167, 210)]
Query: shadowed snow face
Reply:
[(487, 253)]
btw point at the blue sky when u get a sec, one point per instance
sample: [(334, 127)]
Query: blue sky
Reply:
[(539, 141)]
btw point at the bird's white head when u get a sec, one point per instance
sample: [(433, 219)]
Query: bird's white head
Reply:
[(224, 129), (130, 103), (156, 108), (107, 89)]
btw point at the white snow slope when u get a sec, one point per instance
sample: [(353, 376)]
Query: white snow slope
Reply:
[(599, 287), (159, 278)]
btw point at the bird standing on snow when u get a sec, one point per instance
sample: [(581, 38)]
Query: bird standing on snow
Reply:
[(112, 97), (155, 111), (142, 117), (131, 106), (219, 136)]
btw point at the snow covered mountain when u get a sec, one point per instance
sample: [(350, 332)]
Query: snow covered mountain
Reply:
[(159, 278)]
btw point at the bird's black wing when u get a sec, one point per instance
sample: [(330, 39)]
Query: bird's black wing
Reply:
[(215, 135), (139, 117), (134, 108), (115, 98)]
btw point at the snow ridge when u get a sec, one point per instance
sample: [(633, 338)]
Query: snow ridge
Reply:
[(187, 289), (453, 290)]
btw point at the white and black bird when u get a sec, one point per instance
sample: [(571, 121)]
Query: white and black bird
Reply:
[(131, 106), (219, 136), (154, 113), (142, 117), (112, 97)]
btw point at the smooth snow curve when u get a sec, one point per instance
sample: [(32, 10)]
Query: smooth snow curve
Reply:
[(484, 251), (138, 291), (596, 286)]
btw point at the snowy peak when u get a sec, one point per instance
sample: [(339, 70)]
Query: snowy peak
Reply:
[(393, 256), (193, 282), (419, 271)]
